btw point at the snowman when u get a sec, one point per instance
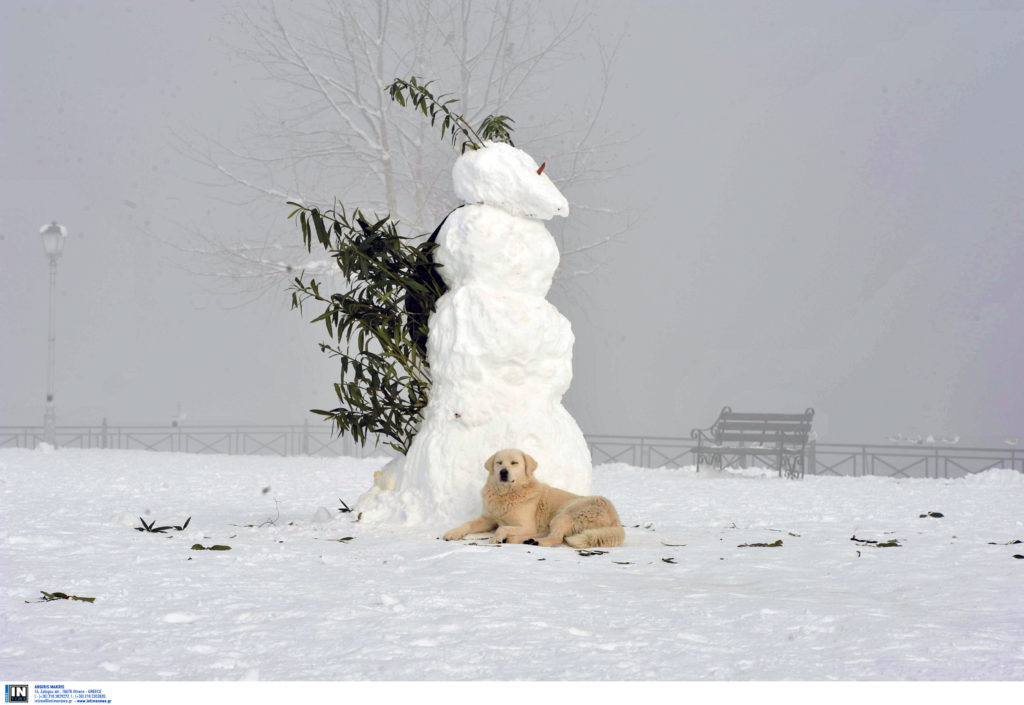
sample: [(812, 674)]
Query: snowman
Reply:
[(500, 354)]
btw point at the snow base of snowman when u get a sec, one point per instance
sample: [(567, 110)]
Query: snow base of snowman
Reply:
[(500, 354)]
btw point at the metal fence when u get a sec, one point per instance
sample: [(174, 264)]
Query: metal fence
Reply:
[(641, 451), (282, 440), (910, 461), (847, 459)]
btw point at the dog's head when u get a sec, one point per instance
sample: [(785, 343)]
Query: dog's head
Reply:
[(509, 467)]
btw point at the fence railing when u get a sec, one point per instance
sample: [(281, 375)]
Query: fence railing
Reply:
[(641, 451), (910, 461), (283, 440), (847, 459)]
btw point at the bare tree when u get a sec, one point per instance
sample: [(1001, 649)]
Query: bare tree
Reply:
[(340, 137)]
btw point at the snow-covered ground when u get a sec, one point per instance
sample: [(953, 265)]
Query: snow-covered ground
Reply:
[(308, 593)]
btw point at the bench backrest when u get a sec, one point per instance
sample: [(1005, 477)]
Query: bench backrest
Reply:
[(778, 429)]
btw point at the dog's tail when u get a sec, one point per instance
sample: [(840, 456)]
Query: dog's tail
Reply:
[(593, 538)]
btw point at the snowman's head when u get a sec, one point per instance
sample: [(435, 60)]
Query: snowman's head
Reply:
[(502, 176)]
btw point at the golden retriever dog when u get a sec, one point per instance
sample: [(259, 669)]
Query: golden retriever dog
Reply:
[(521, 509)]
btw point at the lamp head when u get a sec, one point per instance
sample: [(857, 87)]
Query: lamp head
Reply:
[(53, 238)]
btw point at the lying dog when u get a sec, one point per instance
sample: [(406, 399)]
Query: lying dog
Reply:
[(525, 510)]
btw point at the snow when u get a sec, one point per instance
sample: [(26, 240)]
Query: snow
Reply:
[(500, 354), (309, 593), (505, 177), (484, 246)]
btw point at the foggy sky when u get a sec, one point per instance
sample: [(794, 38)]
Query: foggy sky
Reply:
[(829, 203)]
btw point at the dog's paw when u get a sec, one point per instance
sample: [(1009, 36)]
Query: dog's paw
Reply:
[(549, 541), (530, 542), (453, 536)]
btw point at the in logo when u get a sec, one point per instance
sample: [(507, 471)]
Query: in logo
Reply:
[(15, 693)]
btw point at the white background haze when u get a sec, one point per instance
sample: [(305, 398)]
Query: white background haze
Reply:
[(827, 198)]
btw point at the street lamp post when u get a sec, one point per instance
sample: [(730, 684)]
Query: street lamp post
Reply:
[(53, 243)]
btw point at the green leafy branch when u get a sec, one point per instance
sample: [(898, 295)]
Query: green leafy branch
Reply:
[(891, 543), (52, 596), (773, 544), (495, 128), (151, 528), (378, 327), (414, 92)]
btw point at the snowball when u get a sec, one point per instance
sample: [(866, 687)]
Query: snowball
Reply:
[(490, 348), (488, 245), (505, 177)]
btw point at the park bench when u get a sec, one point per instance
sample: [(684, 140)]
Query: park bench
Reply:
[(736, 439)]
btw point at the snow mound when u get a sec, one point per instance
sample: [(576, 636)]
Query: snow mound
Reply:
[(996, 476), (485, 245), (750, 472), (616, 467), (505, 177)]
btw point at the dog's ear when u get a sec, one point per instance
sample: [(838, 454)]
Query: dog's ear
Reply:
[(489, 463), (531, 464)]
